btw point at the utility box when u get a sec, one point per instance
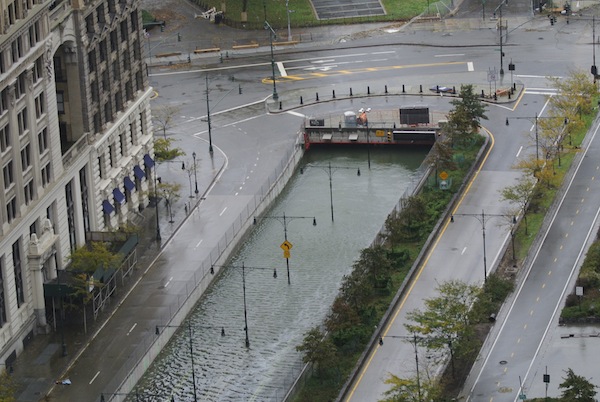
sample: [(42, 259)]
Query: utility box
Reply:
[(414, 115), (349, 119)]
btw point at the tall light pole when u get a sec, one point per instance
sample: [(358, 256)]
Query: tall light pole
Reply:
[(195, 173), (286, 245), (210, 147), (243, 267), (482, 219), (287, 9), (499, 9), (329, 170), (156, 203), (536, 118), (413, 339), (272, 35), (189, 326)]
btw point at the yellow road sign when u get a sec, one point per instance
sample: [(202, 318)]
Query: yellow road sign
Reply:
[(286, 254), (286, 246), (443, 175), (379, 133)]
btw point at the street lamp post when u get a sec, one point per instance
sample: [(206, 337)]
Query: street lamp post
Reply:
[(413, 340), (283, 220), (499, 9), (210, 147), (195, 173), (189, 327), (536, 118), (482, 219), (287, 9), (243, 267), (329, 170), (156, 203), (272, 35)]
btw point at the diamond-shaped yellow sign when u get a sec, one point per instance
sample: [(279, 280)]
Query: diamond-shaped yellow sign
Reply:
[(286, 246)]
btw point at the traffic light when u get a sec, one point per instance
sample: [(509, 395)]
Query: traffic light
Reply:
[(389, 136), (162, 27)]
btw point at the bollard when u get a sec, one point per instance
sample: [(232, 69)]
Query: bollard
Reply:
[(495, 96), (334, 94), (403, 91), (368, 90), (394, 124), (350, 91), (221, 57), (227, 54), (240, 89), (420, 89), (508, 94), (386, 89), (437, 89), (454, 90), (482, 94), (317, 97), (189, 59), (301, 101), (515, 86), (280, 106)]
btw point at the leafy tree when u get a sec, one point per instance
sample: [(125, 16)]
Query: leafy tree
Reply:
[(171, 193), (469, 107), (163, 150), (90, 257), (8, 387), (409, 390), (519, 194), (445, 321), (318, 350), (577, 388), (441, 156), (374, 260), (576, 93), (163, 117), (407, 224)]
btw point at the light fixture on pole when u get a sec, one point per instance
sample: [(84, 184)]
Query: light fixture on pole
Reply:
[(272, 35), (243, 267), (413, 339), (189, 326), (499, 9), (288, 11), (210, 147), (195, 173), (156, 202), (535, 119), (482, 219), (286, 245), (329, 170)]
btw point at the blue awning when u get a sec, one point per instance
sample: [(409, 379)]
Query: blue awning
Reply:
[(107, 207), (138, 172), (129, 185), (148, 161), (119, 197)]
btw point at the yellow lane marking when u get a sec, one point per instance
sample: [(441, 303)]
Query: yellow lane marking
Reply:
[(332, 73), (422, 267)]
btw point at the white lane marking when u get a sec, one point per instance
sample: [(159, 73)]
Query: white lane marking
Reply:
[(281, 69), (169, 281), (449, 55), (519, 152), (296, 113), (464, 249), (323, 61), (94, 378), (470, 66), (236, 193), (528, 92), (386, 52), (199, 243), (132, 328), (223, 211)]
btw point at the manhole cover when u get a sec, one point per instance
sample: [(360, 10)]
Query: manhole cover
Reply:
[(503, 362)]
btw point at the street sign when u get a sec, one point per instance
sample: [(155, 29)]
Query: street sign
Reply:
[(286, 246), (522, 397), (379, 133), (443, 175), (286, 254)]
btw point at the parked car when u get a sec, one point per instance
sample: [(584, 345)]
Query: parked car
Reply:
[(439, 88)]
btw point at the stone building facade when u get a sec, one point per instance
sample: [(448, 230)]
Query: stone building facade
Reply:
[(75, 144)]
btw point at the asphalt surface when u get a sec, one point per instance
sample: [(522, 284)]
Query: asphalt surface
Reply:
[(41, 365)]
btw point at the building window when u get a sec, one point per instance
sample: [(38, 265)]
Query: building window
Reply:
[(28, 190), (4, 138), (58, 70), (40, 105), (20, 86), (38, 69), (33, 228), (25, 158), (108, 111), (111, 155), (139, 81), (70, 215), (8, 174), (122, 144), (124, 31), (11, 209), (43, 140), (95, 93), (102, 47), (134, 21), (113, 41), (22, 121), (60, 102), (46, 175), (92, 61), (3, 306), (4, 100), (84, 200), (16, 250), (14, 51), (89, 23)]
